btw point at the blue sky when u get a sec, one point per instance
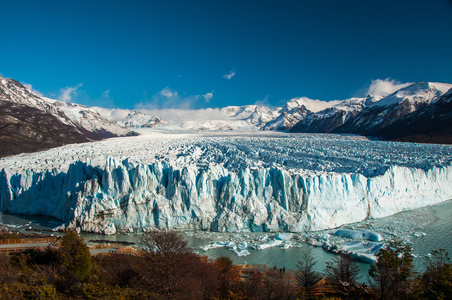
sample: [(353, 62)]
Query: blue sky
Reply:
[(197, 54)]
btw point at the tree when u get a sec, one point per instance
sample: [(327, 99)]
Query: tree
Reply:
[(306, 275), (165, 243), (75, 256), (170, 267), (228, 277), (437, 278), (393, 272), (343, 274)]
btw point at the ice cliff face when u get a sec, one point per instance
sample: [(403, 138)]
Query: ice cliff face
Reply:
[(210, 192)]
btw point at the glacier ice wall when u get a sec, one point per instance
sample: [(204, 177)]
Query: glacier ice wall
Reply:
[(130, 196)]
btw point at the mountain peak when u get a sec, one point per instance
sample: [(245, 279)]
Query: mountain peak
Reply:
[(424, 92), (310, 104)]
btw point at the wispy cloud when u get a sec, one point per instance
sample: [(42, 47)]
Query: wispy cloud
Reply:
[(168, 98), (263, 102), (106, 94), (181, 115), (67, 93), (30, 87), (207, 97), (229, 75), (168, 93), (384, 87)]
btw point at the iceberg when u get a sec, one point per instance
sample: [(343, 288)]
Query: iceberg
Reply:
[(361, 251), (241, 252), (284, 236), (214, 245), (359, 234), (271, 243)]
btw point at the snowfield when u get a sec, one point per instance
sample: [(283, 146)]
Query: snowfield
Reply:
[(225, 181)]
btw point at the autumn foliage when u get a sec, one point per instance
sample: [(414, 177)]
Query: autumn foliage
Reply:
[(167, 268)]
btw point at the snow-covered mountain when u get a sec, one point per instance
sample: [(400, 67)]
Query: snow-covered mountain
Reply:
[(393, 107), (129, 118), (392, 117), (36, 122), (261, 116), (246, 117), (432, 123), (327, 120), (296, 110)]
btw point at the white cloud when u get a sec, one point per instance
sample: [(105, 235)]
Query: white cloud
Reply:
[(207, 97), (67, 93), (229, 75), (168, 98), (106, 94), (263, 102), (30, 87), (182, 115), (385, 87), (168, 93)]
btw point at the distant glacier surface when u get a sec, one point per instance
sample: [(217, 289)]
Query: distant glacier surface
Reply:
[(225, 181)]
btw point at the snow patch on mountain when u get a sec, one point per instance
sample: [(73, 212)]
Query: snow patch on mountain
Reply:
[(83, 118), (330, 118), (129, 118), (391, 108), (424, 92), (294, 111)]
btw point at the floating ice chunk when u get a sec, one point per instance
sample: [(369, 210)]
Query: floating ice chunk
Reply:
[(323, 237), (232, 247), (359, 235), (286, 245), (314, 242), (361, 246), (243, 245), (241, 252), (365, 258), (419, 234), (361, 251), (214, 245), (262, 238), (284, 236), (271, 243)]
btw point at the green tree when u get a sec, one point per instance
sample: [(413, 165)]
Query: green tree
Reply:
[(437, 278), (393, 272), (75, 256)]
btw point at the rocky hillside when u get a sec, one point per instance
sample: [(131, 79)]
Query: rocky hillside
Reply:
[(29, 122)]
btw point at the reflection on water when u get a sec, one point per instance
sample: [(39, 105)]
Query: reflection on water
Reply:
[(435, 222)]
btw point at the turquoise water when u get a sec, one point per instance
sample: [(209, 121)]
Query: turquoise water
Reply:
[(438, 235)]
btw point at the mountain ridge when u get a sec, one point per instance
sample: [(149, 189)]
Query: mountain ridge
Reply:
[(30, 122)]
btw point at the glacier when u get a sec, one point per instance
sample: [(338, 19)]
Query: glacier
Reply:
[(244, 182)]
